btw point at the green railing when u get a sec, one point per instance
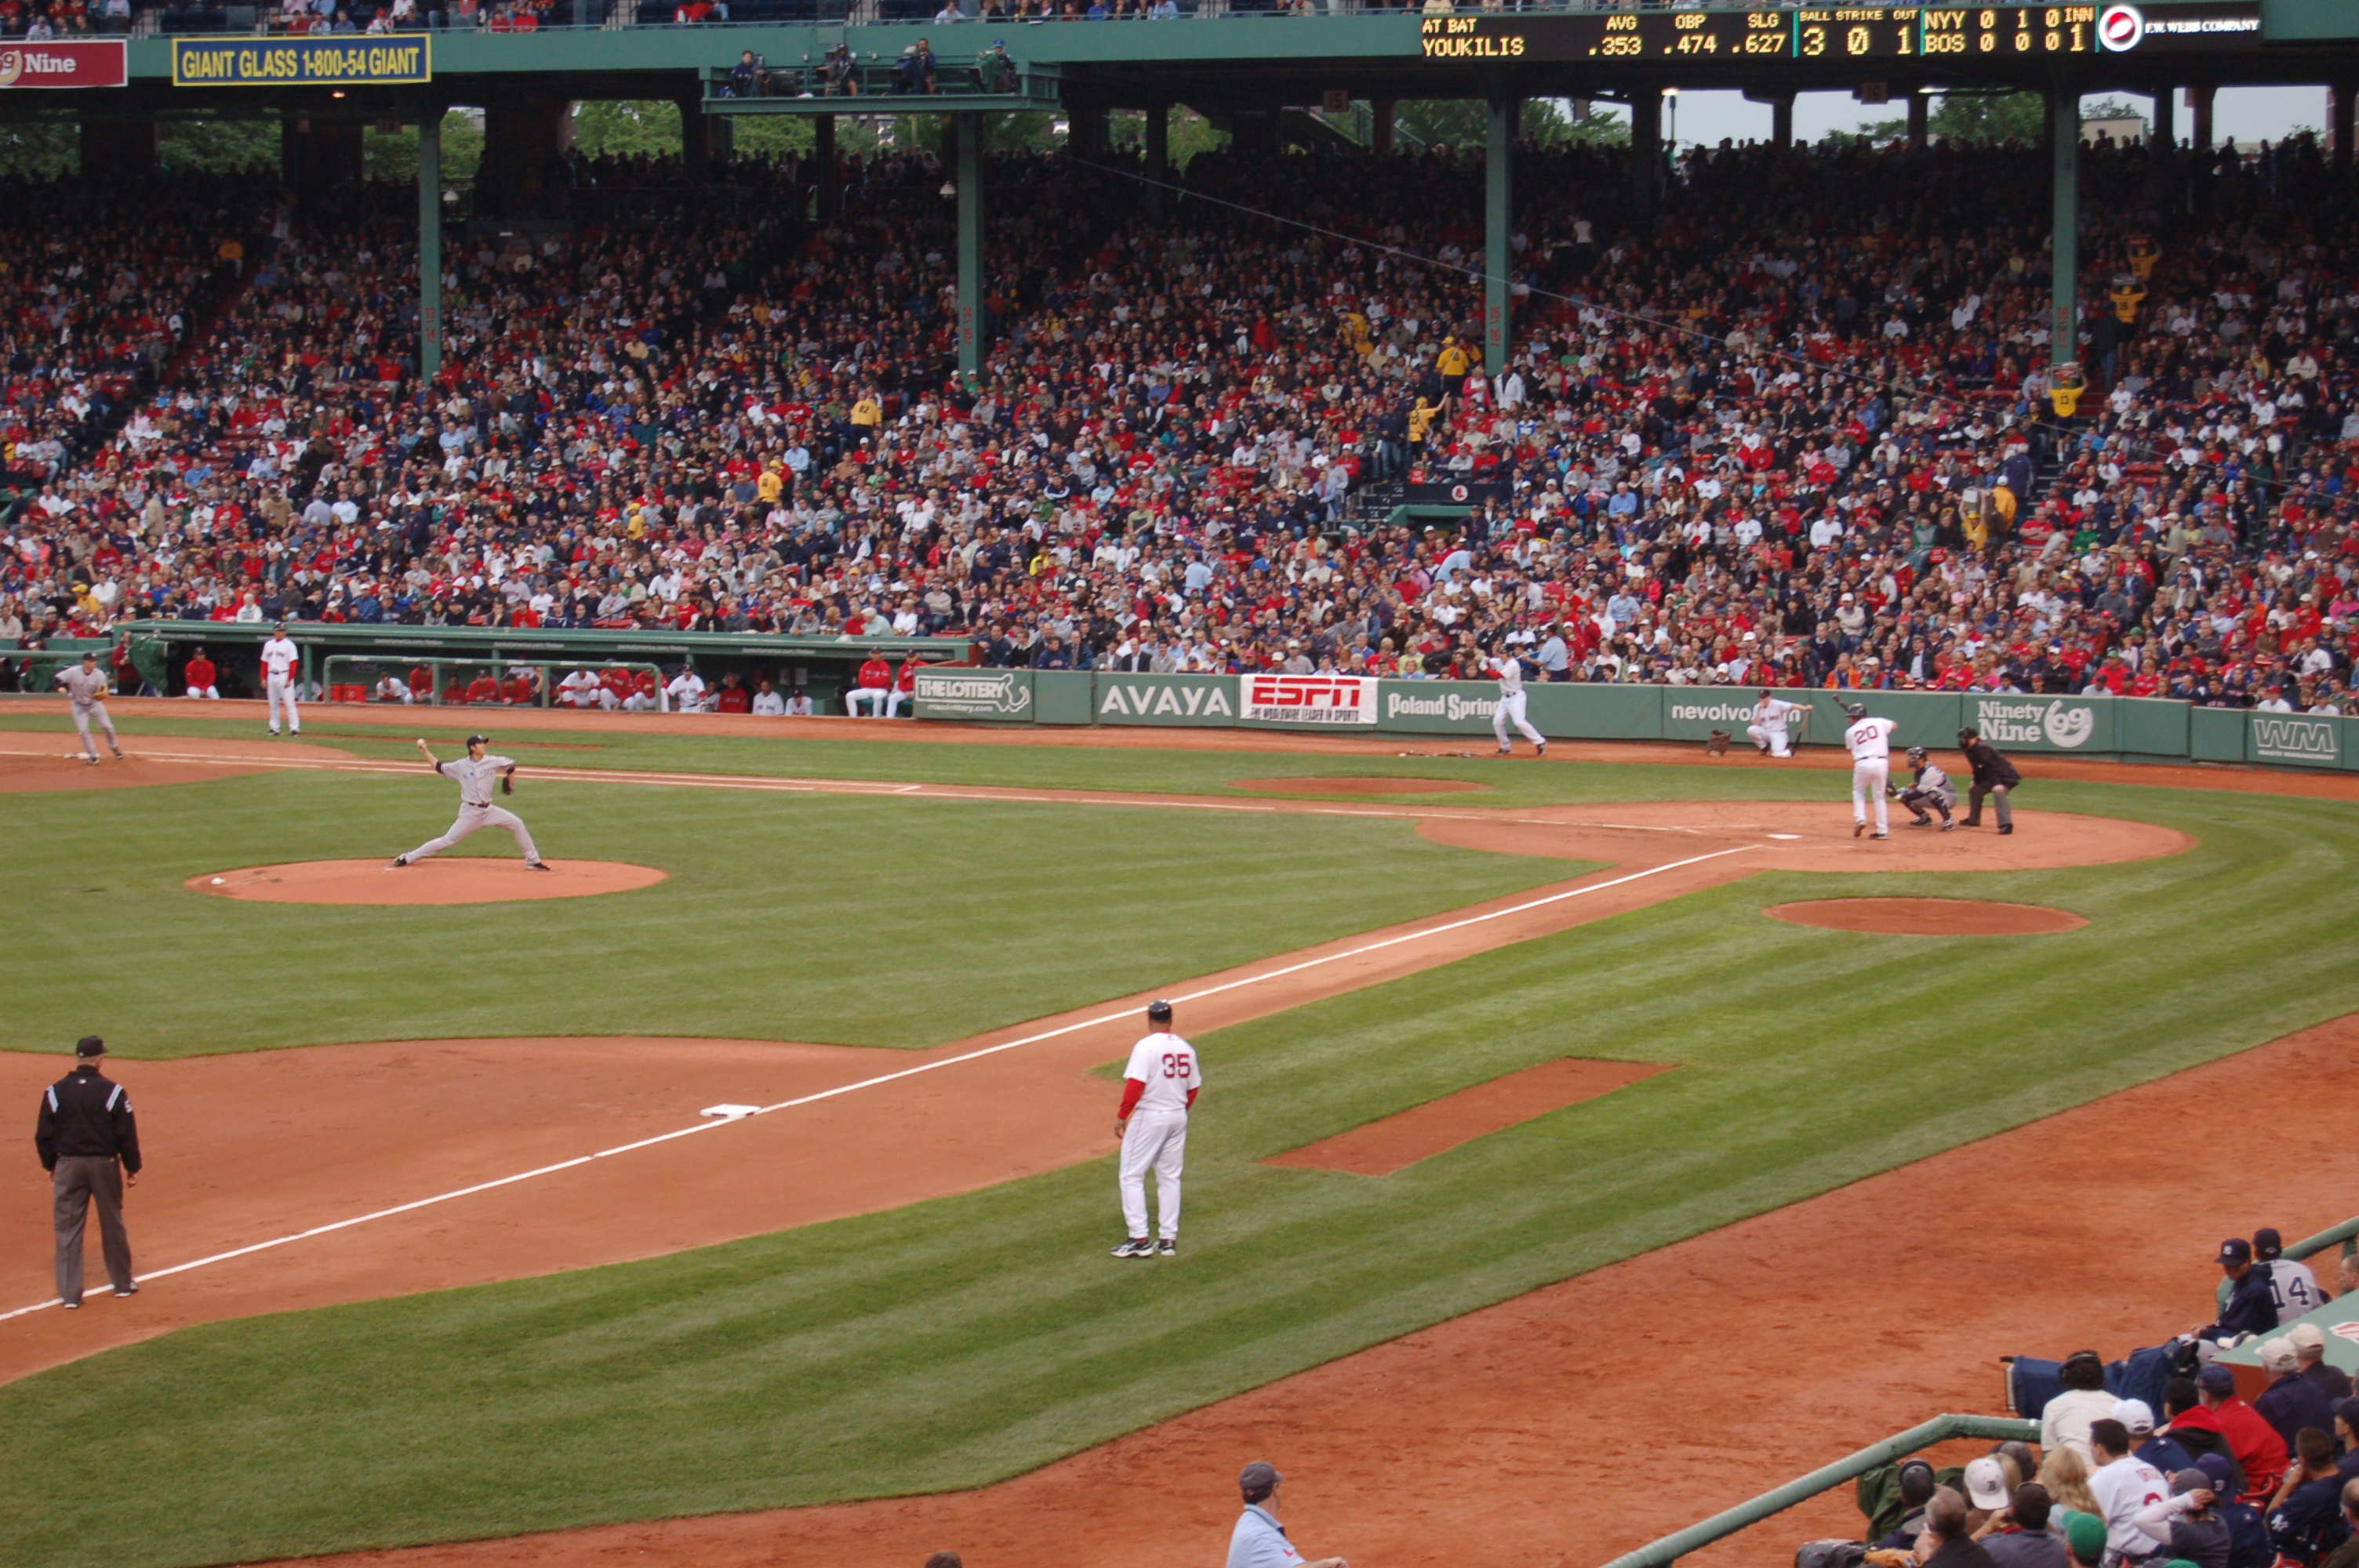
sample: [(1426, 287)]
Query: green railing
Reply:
[(1670, 1549), (2346, 1234)]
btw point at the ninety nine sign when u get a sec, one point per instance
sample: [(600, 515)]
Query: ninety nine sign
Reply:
[(1309, 699), (96, 62), (302, 62)]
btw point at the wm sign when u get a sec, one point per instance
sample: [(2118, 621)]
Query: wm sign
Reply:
[(2279, 739)]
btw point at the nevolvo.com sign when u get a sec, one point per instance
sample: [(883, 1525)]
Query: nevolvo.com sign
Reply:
[(2058, 722)]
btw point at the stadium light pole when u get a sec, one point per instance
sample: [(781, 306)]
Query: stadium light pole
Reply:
[(968, 131), (1499, 220), (429, 242), (2064, 244)]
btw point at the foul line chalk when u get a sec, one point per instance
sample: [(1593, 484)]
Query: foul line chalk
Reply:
[(709, 1125)]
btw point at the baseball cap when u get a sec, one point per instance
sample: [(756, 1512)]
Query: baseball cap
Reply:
[(2086, 1536), (1161, 1010), (479, 739), (2190, 1480), (2235, 1250), (2267, 1243), (2276, 1354), (2306, 1336), (1258, 1477), (2137, 1415), (1986, 1483), (2216, 1466), (90, 1045), (2216, 1379)]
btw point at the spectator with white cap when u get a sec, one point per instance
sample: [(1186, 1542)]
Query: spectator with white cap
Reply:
[(1987, 1483), (2309, 1351), (1259, 1540), (2292, 1401), (2162, 1450)]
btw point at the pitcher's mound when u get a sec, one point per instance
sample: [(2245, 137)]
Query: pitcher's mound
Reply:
[(1927, 917), (1355, 785), (444, 880)]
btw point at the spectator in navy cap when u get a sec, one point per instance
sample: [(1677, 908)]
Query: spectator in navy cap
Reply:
[(2310, 1346), (2292, 1401), (2251, 1307)]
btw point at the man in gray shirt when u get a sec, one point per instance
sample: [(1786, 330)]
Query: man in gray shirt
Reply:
[(1259, 1540), (85, 686)]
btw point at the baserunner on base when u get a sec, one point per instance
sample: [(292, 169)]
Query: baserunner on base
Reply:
[(1158, 1088), (476, 772)]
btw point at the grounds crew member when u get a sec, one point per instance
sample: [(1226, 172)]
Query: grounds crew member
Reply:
[(89, 1143), (1994, 775)]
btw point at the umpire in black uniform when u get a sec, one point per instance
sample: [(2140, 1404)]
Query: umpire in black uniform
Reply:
[(1993, 776), (89, 1143)]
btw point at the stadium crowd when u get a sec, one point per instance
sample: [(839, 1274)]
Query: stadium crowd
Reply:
[(2201, 1476), (1775, 434)]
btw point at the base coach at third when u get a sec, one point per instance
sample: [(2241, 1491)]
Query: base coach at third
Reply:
[(89, 1145)]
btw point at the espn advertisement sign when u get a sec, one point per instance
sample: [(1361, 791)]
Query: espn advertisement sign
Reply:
[(971, 694), (1325, 701), (89, 63), (2290, 738)]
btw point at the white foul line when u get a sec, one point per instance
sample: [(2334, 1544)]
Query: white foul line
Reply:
[(1416, 936)]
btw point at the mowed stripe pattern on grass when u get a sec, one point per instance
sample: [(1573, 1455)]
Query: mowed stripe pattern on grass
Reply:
[(961, 1341)]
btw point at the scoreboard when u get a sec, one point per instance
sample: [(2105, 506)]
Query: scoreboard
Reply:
[(1956, 34)]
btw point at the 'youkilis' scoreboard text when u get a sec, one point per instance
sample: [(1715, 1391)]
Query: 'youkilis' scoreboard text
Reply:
[(1989, 34)]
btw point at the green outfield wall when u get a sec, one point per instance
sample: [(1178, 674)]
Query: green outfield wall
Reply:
[(2137, 729)]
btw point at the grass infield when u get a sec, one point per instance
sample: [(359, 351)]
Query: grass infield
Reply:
[(961, 1341)]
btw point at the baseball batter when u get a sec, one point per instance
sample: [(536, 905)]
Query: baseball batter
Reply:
[(1157, 1086), (85, 688), (1510, 671), (476, 772), (1931, 788), (1772, 717), (278, 661), (1870, 741)]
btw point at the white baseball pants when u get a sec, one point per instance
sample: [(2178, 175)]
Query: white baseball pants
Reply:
[(1155, 1139), (280, 690), (207, 693), (874, 695), (893, 703), (1867, 781), (1776, 740), (98, 710), (1511, 711), (471, 819)]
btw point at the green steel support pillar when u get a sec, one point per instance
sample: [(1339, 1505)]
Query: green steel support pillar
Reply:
[(1498, 219), (971, 322), (2064, 291), (1158, 156), (430, 243)]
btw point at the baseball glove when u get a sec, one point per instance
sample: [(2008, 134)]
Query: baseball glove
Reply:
[(507, 783)]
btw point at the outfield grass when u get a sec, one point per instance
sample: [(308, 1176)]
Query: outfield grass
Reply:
[(961, 1341), (833, 919)]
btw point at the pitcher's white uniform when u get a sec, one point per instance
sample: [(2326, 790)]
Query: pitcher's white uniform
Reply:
[(1510, 671), (1771, 715), (477, 777), (1157, 1132), (1870, 741), (278, 662)]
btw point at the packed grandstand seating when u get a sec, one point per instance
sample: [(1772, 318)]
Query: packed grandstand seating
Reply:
[(1795, 430)]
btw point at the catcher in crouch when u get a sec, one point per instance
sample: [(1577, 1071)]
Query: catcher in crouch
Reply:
[(1931, 788), (475, 773)]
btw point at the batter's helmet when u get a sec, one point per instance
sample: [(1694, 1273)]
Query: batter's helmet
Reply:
[(1159, 1011), (1917, 756), (1854, 710)]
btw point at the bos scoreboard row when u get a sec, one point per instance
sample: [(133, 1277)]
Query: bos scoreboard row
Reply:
[(1933, 33)]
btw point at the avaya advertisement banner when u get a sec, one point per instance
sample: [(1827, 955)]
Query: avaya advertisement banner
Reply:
[(84, 62), (1297, 700)]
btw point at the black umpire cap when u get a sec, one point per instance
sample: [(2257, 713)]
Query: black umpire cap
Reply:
[(1970, 733), (90, 1045), (1159, 1011)]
